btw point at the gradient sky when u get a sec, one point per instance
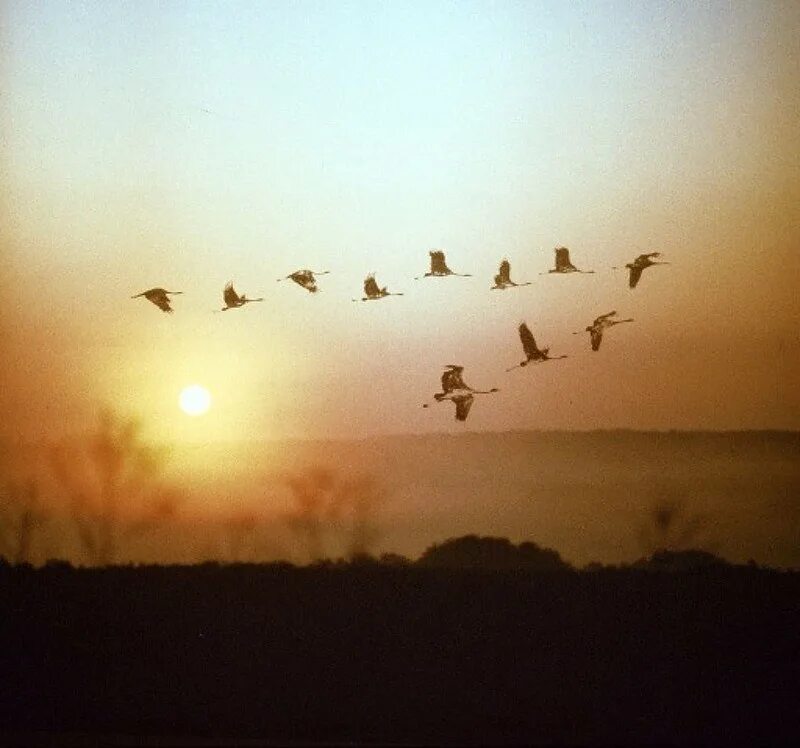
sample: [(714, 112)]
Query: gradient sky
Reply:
[(187, 144)]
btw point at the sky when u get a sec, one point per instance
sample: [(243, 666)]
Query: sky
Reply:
[(184, 145)]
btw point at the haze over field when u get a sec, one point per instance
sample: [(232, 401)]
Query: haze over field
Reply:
[(609, 497)]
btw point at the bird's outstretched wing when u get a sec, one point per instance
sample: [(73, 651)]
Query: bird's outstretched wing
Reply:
[(528, 342), (562, 259), (462, 407), (157, 296), (305, 278), (230, 297), (636, 273), (438, 263), (452, 379), (504, 273), (371, 288), (161, 300), (597, 338), (603, 317)]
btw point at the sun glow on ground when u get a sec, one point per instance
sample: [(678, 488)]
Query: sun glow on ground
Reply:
[(195, 400)]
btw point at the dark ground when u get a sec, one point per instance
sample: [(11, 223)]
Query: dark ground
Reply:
[(371, 653)]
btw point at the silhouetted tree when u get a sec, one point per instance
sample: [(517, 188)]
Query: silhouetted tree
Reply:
[(110, 479), (329, 510), (21, 515), (240, 529), (687, 560), (669, 526), (473, 552), (394, 559)]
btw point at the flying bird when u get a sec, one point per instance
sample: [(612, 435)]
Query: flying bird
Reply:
[(564, 264), (533, 354), (503, 278), (233, 300), (439, 266), (639, 265), (305, 278), (372, 291), (159, 297), (457, 391), (599, 326)]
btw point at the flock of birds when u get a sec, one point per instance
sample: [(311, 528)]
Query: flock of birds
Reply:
[(454, 388)]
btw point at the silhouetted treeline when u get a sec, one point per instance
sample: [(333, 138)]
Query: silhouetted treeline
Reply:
[(385, 650), (473, 552)]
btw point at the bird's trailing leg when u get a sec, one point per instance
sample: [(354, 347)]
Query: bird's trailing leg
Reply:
[(438, 397), (504, 286)]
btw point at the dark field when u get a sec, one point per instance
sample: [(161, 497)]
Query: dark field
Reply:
[(378, 653)]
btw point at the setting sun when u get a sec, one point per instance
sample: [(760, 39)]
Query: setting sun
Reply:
[(195, 400)]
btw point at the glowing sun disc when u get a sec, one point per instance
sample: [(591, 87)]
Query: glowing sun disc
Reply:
[(194, 400)]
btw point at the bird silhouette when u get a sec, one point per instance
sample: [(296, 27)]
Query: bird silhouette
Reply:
[(439, 266), (599, 326), (233, 300), (564, 264), (533, 354), (159, 297), (457, 391), (503, 278), (373, 292), (305, 279), (639, 265)]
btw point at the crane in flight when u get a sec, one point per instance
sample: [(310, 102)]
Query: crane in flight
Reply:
[(159, 297), (533, 354), (564, 264), (503, 278), (599, 326), (233, 300), (305, 278), (639, 265), (439, 266), (457, 391), (373, 292)]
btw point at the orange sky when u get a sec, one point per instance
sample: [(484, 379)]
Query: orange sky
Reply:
[(186, 147)]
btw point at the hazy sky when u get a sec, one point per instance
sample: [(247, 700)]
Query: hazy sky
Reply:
[(187, 144)]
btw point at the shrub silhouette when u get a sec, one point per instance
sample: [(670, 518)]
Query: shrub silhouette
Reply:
[(21, 515), (333, 511), (239, 529), (110, 479), (669, 526), (685, 560), (473, 552)]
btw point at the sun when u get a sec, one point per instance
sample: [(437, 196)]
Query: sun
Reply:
[(194, 400)]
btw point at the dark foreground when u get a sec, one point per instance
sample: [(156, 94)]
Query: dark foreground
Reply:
[(381, 654)]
